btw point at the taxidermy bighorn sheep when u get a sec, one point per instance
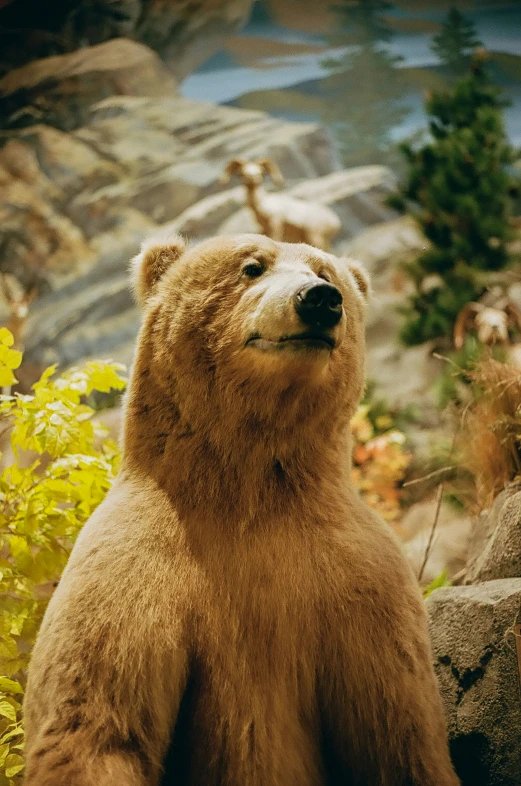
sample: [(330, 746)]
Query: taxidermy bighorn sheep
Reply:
[(280, 216), (492, 324)]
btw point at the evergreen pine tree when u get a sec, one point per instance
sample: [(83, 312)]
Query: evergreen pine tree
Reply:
[(459, 191), (364, 87), (455, 42)]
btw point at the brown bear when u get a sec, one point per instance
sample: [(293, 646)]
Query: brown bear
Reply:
[(233, 614)]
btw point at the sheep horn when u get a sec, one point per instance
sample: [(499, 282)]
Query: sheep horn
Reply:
[(460, 326), (513, 313), (6, 289), (233, 167), (271, 169), (30, 295)]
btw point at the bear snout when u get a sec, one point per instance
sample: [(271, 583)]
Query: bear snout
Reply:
[(319, 304)]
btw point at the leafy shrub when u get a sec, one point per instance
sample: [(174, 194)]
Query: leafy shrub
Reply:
[(489, 441), (454, 384), (42, 509), (440, 581), (380, 459)]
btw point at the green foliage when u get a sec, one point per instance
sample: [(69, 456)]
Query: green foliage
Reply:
[(440, 581), (458, 189), (455, 42), (361, 22), (454, 385), (42, 509), (362, 110), (382, 415), (380, 456)]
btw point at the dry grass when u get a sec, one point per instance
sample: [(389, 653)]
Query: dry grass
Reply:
[(489, 443)]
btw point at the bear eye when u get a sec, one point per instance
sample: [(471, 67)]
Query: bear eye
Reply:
[(253, 269), (324, 276)]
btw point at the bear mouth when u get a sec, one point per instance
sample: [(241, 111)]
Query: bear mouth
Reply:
[(296, 341)]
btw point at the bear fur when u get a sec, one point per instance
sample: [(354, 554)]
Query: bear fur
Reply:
[(233, 614)]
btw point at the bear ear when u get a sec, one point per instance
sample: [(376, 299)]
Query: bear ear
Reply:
[(147, 268), (360, 276)]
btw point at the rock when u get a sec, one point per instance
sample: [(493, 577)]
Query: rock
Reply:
[(183, 32), (496, 540), (358, 194), (153, 157), (449, 546), (404, 374), (93, 316), (78, 204), (477, 668), (207, 216), (136, 162), (38, 242), (57, 322), (174, 151), (60, 90), (66, 161)]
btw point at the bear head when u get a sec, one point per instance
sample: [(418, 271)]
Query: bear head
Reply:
[(246, 340)]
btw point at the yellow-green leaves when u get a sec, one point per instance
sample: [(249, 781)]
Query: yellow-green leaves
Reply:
[(10, 359), (42, 508), (7, 711), (440, 581), (13, 765), (54, 420)]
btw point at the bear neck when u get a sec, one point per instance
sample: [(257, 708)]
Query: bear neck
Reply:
[(233, 472)]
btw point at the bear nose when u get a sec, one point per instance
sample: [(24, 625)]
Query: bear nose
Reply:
[(319, 304)]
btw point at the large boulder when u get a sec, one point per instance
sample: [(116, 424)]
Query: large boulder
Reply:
[(404, 374), (174, 151), (183, 32), (135, 163), (94, 314), (60, 90), (495, 551), (78, 203), (479, 675), (186, 33), (38, 239), (449, 546)]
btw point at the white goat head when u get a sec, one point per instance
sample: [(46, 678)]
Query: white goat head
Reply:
[(253, 172), (491, 323)]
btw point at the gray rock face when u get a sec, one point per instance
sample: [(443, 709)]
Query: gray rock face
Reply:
[(78, 202), (137, 161), (72, 323), (449, 546), (60, 90), (496, 540), (476, 664), (404, 374), (184, 33)]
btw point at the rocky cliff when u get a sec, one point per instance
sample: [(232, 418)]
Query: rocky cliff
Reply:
[(99, 151), (183, 32), (476, 636)]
